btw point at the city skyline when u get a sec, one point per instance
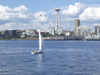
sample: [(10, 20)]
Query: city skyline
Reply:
[(25, 15)]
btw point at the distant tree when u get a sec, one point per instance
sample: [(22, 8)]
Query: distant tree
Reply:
[(62, 34), (56, 35), (35, 30), (46, 35)]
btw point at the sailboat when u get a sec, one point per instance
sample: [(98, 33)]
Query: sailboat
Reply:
[(41, 45)]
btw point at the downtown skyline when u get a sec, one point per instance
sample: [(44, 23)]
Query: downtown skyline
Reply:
[(40, 15)]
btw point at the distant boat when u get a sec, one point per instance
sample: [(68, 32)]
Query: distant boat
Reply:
[(41, 45)]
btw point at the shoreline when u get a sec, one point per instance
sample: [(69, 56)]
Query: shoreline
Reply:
[(56, 39)]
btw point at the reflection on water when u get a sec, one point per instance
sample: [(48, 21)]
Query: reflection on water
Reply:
[(40, 58)]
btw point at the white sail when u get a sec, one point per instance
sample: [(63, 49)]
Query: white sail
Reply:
[(41, 42)]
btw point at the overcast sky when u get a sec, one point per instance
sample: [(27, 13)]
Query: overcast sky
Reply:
[(41, 14)]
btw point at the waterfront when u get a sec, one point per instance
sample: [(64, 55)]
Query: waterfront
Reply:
[(59, 58)]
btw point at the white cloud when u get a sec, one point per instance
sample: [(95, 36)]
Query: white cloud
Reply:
[(21, 8), (90, 14), (41, 16), (7, 13), (6, 26), (96, 24), (21, 18), (68, 19), (75, 10)]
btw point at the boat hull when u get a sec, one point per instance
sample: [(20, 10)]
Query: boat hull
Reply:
[(37, 52)]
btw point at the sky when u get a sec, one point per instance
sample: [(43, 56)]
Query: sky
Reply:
[(41, 14)]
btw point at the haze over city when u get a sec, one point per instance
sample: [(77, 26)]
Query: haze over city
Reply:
[(33, 14)]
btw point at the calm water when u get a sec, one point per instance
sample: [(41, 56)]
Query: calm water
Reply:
[(59, 58)]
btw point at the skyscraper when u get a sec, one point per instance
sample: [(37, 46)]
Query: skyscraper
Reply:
[(97, 30), (77, 23)]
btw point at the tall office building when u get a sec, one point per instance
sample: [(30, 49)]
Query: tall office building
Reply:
[(51, 30), (97, 30), (77, 23)]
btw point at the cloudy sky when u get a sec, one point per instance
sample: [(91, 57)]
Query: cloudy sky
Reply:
[(41, 14)]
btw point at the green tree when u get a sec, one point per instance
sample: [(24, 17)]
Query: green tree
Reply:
[(62, 34)]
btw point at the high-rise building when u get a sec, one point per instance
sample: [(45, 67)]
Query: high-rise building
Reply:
[(83, 31), (51, 30), (77, 23), (97, 30)]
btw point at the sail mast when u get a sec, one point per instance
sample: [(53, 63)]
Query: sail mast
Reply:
[(39, 41)]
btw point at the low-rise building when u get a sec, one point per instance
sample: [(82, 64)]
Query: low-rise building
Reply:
[(23, 35), (56, 37), (58, 30), (93, 37), (18, 32), (66, 33), (29, 32), (51, 30)]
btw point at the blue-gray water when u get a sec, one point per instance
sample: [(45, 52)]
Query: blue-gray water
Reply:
[(59, 58)]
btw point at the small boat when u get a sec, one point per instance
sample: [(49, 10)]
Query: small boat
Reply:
[(41, 45)]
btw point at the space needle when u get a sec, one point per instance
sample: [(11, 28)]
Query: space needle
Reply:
[(58, 30), (57, 9)]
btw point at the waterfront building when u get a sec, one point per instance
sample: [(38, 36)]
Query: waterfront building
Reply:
[(51, 30), (56, 37), (41, 30), (23, 35), (95, 37), (80, 31), (18, 32), (0, 34), (97, 30), (66, 33), (92, 37), (58, 30), (77, 24), (73, 37), (83, 31), (10, 33), (29, 32)]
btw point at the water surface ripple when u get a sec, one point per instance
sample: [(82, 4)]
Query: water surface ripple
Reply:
[(59, 58)]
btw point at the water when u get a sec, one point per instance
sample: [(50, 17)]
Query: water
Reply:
[(59, 58)]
